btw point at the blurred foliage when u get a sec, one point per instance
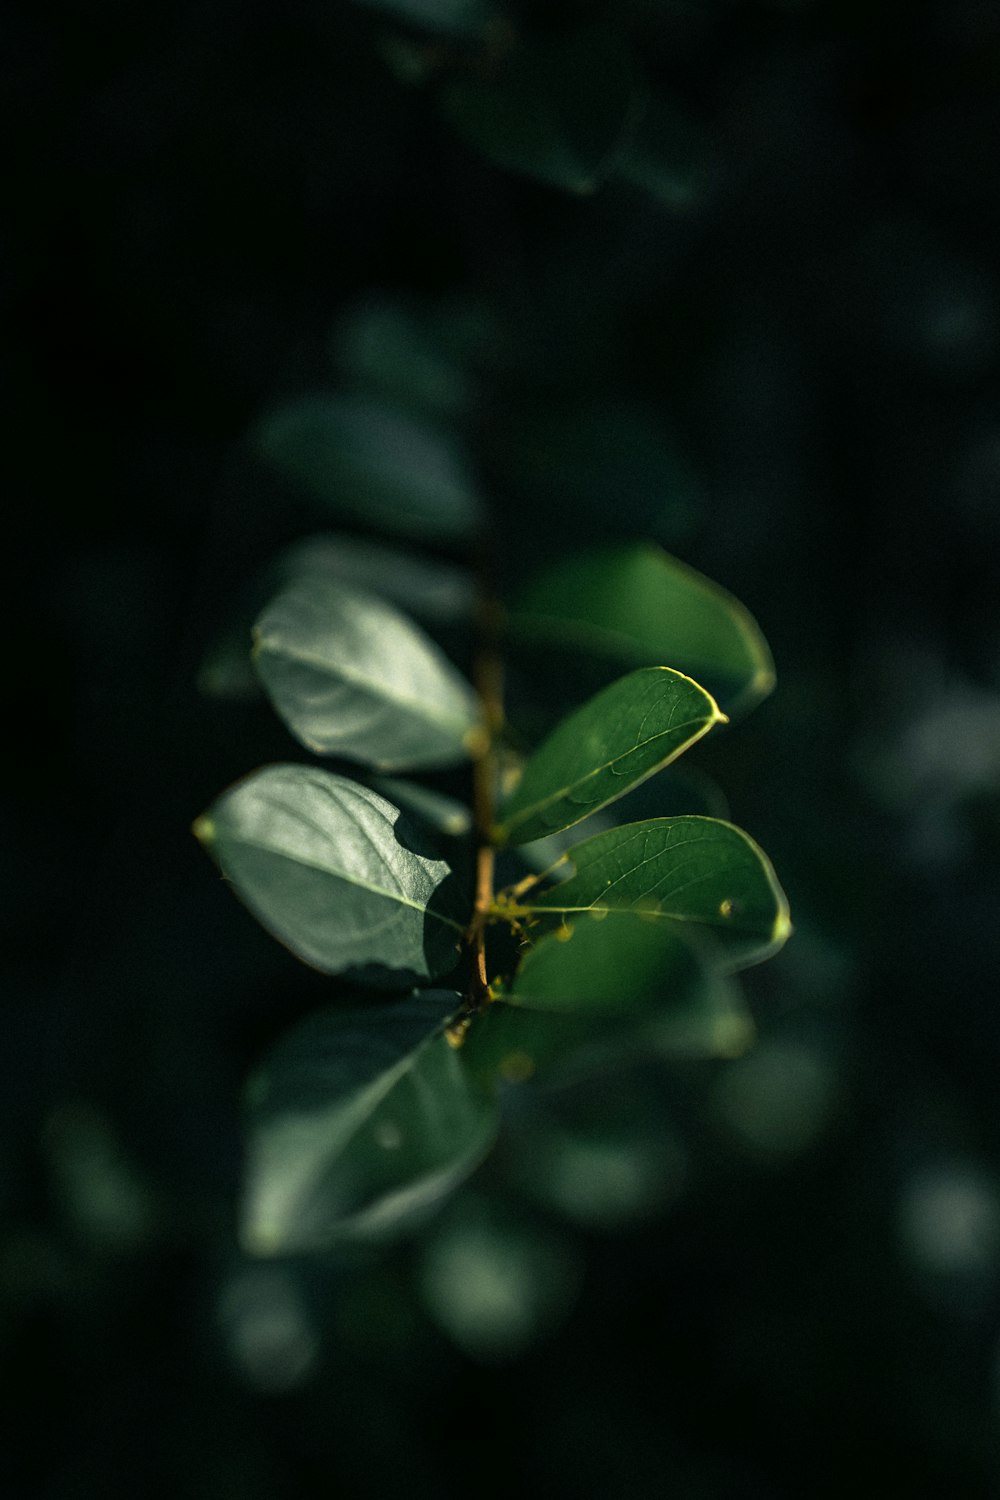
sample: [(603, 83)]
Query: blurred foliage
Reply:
[(769, 337)]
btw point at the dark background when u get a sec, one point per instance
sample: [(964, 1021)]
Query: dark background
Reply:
[(194, 195)]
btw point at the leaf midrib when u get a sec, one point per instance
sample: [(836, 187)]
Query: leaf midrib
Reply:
[(365, 885), (523, 814)]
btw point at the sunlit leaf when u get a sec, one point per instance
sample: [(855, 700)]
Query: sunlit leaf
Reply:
[(556, 108), (638, 605), (632, 729), (361, 1120), (337, 873), (699, 874), (369, 460), (352, 676)]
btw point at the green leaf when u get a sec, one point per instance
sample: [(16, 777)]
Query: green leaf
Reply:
[(422, 586), (389, 347), (611, 963), (444, 814), (450, 17), (638, 605), (669, 158), (337, 873), (700, 872), (361, 1121), (373, 462), (352, 676), (556, 108), (621, 737)]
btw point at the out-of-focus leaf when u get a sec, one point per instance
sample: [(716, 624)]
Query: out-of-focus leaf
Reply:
[(361, 1121), (450, 17), (495, 1282), (699, 874), (630, 730), (352, 676), (445, 814), (668, 157), (602, 1152), (422, 586), (336, 873), (371, 461), (557, 109), (571, 459), (638, 605), (388, 348)]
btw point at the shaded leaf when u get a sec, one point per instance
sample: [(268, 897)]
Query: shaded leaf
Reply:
[(611, 963), (449, 17), (336, 873), (422, 586), (668, 157), (699, 872), (445, 814), (352, 676), (388, 347), (630, 730), (361, 1121), (555, 108), (639, 605), (369, 460)]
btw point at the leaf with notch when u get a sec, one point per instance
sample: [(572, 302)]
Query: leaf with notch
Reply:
[(625, 734), (639, 605), (700, 872), (361, 1121), (352, 676), (337, 874)]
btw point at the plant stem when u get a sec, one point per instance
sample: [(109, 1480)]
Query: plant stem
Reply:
[(488, 675)]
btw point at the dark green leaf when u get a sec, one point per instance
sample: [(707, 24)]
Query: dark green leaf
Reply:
[(362, 1120), (640, 606), (699, 872), (337, 873), (369, 460), (611, 963), (556, 109), (389, 348), (625, 734), (352, 676), (668, 157), (450, 17)]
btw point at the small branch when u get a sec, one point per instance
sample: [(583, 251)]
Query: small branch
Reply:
[(488, 675)]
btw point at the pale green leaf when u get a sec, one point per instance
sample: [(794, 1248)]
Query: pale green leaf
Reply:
[(623, 735), (352, 676), (361, 1121), (337, 873)]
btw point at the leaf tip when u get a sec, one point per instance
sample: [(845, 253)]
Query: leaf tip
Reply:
[(204, 830)]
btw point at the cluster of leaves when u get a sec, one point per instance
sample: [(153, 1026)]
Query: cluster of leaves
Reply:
[(455, 986)]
